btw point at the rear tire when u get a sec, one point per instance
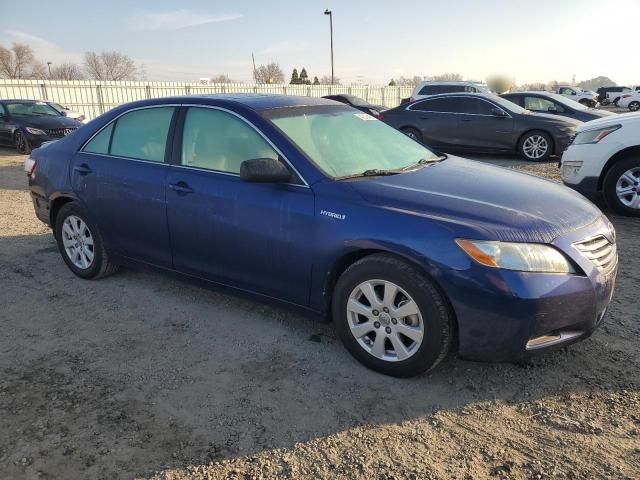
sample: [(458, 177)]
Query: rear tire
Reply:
[(621, 187), (634, 106), (400, 289), (535, 146), (21, 142), (412, 133), (80, 243)]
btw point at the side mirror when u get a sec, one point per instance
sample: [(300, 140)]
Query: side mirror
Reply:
[(63, 113), (264, 170), (552, 110), (498, 112)]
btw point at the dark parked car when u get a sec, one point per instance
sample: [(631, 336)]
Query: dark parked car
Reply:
[(359, 103), (316, 204), (478, 122), (545, 102), (611, 94), (27, 124)]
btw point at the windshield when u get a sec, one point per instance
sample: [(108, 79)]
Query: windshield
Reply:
[(507, 104), (31, 109), (343, 142), (57, 106), (567, 101)]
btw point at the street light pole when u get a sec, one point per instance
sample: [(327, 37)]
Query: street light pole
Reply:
[(49, 65), (330, 13)]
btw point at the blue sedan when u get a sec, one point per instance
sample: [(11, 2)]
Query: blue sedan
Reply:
[(310, 202)]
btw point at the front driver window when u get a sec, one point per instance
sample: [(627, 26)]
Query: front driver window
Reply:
[(218, 140)]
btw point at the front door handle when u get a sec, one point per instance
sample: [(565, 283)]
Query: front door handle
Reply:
[(82, 169), (181, 187)]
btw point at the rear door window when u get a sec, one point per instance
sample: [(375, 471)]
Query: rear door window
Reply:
[(441, 105)]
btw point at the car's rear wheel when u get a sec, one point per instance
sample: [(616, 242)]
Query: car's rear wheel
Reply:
[(634, 106), (21, 143), (536, 146), (621, 187), (391, 316), (412, 133), (80, 243)]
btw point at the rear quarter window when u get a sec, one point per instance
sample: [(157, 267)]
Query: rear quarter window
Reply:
[(100, 143)]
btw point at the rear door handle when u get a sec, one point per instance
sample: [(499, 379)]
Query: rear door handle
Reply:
[(181, 187), (82, 169)]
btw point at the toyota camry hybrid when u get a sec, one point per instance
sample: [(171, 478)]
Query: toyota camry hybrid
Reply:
[(409, 252)]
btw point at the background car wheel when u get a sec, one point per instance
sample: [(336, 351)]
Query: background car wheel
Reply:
[(22, 143), (80, 243), (634, 106), (412, 133), (536, 146), (621, 187), (391, 316)]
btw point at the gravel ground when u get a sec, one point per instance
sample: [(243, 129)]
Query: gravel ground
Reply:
[(141, 375)]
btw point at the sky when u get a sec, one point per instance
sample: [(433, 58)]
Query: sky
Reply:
[(374, 40)]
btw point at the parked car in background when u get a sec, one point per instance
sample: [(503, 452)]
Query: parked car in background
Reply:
[(630, 101), (27, 124), (585, 97), (546, 102), (67, 112), (476, 122), (316, 204), (358, 103), (612, 94), (604, 159), (428, 88)]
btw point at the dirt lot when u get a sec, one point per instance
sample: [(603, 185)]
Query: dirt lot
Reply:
[(144, 376)]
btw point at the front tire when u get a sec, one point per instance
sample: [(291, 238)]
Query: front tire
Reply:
[(391, 316), (21, 143), (80, 243), (634, 106), (536, 146), (621, 187)]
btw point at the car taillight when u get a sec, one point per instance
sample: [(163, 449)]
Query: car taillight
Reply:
[(30, 166)]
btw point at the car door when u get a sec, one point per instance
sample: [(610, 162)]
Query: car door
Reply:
[(254, 236), (6, 127), (435, 119), (120, 176), (479, 128)]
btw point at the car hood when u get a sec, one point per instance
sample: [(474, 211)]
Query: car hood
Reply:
[(50, 122), (616, 119), (599, 113), (496, 202), (552, 118)]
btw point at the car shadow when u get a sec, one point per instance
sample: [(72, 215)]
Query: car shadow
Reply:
[(143, 372)]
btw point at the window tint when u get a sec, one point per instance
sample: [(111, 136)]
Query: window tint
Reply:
[(428, 90), (476, 106), (517, 99), (100, 143), (566, 91), (218, 140), (539, 104), (442, 105), (142, 134)]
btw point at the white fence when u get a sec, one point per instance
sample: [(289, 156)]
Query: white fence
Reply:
[(93, 98)]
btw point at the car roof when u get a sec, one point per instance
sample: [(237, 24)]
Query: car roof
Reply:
[(262, 101), (488, 96), (13, 100)]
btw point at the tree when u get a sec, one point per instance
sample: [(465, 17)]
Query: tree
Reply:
[(553, 85), (222, 78), (326, 80), (446, 77), (295, 79), (316, 81), (271, 73), (404, 81), (499, 83), (304, 78), (66, 71), (17, 61), (595, 83), (533, 87), (392, 83), (109, 66)]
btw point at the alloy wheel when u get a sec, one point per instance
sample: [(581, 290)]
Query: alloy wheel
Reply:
[(628, 188), (21, 142), (385, 321), (78, 242), (535, 147), (634, 106)]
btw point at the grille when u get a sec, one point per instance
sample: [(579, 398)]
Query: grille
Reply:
[(570, 141), (600, 251), (60, 132)]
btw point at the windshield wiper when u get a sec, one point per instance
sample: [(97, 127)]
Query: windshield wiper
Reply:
[(422, 162), (372, 172)]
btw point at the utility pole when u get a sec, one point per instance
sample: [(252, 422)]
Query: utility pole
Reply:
[(49, 65), (253, 59), (330, 13)]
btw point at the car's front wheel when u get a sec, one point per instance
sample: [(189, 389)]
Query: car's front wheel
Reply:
[(634, 106), (391, 316), (621, 187), (80, 243), (21, 143), (536, 146)]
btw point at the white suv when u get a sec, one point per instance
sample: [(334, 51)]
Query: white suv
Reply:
[(427, 88), (604, 159)]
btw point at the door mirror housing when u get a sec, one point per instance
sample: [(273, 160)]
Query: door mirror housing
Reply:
[(552, 110), (498, 112), (264, 170)]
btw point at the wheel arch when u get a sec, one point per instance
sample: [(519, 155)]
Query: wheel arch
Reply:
[(56, 204), (624, 153)]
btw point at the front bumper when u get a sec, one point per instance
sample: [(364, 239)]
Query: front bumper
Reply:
[(36, 141), (507, 316)]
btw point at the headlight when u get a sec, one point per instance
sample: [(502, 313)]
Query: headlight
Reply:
[(35, 131), (524, 257), (571, 168), (594, 136)]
